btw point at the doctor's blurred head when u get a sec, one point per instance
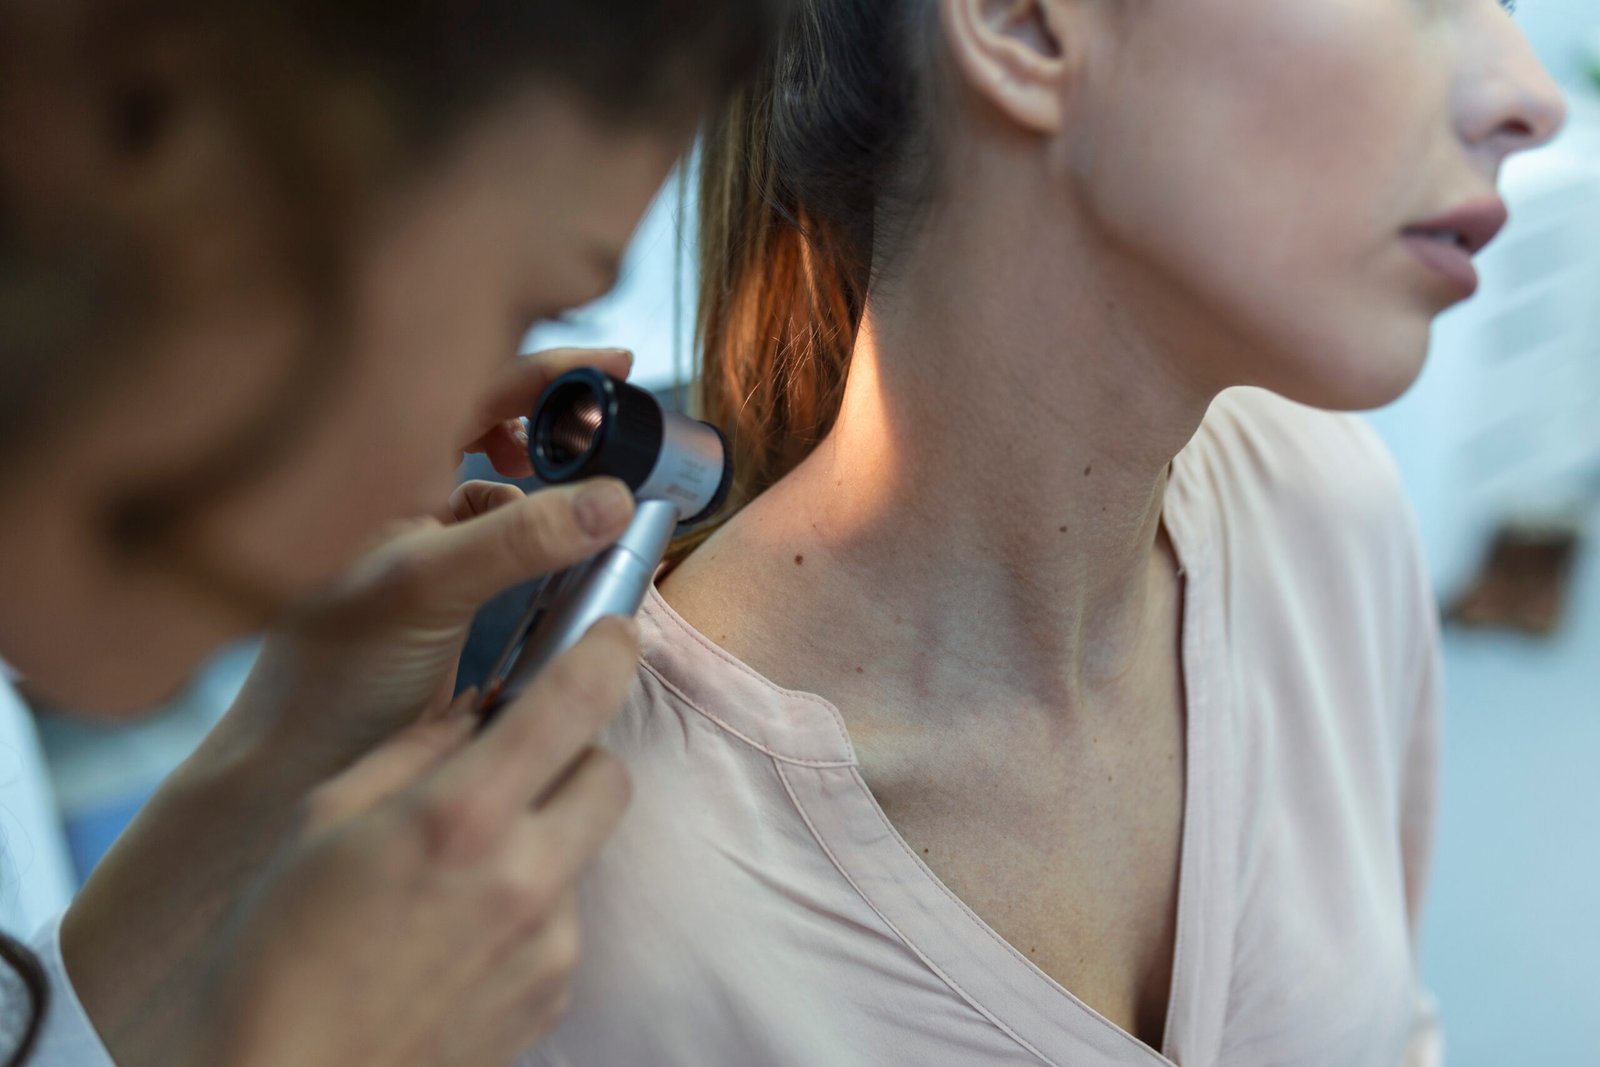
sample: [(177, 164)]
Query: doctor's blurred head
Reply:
[(258, 260)]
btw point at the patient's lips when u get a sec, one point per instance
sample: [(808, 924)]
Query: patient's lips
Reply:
[(1447, 243)]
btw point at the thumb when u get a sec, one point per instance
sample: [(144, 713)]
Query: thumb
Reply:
[(446, 573), (397, 763)]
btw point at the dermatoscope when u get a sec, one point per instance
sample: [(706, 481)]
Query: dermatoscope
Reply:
[(589, 425)]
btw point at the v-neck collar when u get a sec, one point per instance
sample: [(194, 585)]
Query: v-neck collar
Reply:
[(811, 747)]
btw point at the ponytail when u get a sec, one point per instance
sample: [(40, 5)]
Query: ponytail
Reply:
[(797, 179)]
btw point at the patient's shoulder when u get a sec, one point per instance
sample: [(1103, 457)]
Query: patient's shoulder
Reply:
[(1281, 469)]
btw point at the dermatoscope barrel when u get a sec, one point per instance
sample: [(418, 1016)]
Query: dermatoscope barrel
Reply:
[(613, 583)]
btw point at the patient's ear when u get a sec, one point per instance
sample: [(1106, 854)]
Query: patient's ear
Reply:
[(1022, 56)]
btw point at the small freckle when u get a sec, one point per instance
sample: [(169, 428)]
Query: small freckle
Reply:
[(924, 852), (799, 561), (1063, 529), (861, 670), (1088, 470)]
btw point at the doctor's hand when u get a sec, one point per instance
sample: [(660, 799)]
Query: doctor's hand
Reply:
[(424, 913), (371, 658), (380, 650)]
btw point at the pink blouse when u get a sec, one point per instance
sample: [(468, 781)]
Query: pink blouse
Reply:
[(757, 908)]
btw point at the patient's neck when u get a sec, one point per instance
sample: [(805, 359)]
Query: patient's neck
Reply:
[(990, 497)]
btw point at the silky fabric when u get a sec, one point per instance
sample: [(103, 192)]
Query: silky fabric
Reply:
[(758, 908)]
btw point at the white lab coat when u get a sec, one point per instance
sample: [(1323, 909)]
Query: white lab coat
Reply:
[(36, 883)]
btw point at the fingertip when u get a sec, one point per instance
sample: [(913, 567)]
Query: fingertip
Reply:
[(603, 508), (508, 452), (475, 499), (505, 494), (617, 362)]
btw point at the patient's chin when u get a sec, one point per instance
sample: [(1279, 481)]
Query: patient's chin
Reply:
[(1350, 378)]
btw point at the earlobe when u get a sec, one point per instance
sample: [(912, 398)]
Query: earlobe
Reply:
[(1016, 54)]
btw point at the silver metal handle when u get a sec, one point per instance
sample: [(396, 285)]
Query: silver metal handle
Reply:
[(562, 610)]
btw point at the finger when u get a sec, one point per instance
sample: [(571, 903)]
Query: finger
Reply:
[(537, 974), (529, 746), (472, 500), (513, 430), (517, 388), (577, 817), (506, 446), (521, 998), (398, 763), (544, 968), (450, 571), (395, 531)]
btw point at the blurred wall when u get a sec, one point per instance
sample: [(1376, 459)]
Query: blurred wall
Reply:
[(1564, 34)]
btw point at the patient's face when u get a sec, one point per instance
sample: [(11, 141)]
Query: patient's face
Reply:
[(527, 218), (1269, 168)]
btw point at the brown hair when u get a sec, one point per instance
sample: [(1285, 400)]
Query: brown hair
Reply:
[(806, 186)]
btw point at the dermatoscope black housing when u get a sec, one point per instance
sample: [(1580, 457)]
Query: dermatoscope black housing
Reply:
[(588, 425)]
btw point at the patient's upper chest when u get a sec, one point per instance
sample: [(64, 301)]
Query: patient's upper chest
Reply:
[(1064, 838), (755, 910)]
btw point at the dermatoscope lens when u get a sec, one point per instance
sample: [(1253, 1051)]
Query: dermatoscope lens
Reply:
[(590, 425), (574, 428)]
